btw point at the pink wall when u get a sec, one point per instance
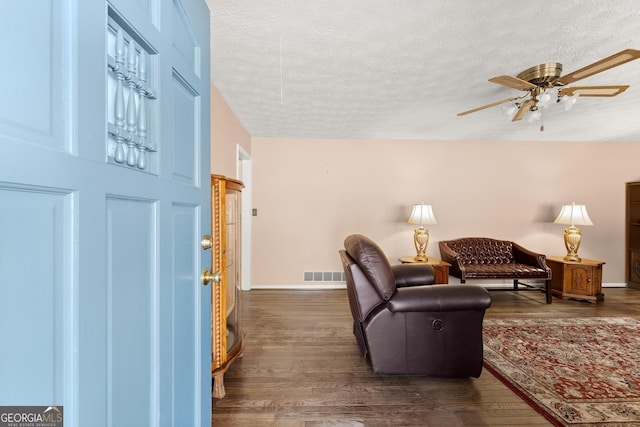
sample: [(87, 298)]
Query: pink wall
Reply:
[(226, 134), (312, 193)]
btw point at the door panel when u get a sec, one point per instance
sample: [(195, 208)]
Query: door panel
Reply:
[(131, 310), (185, 110), (185, 42), (35, 113), (32, 307), (185, 221)]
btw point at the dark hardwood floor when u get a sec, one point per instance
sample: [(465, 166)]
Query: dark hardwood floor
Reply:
[(301, 367)]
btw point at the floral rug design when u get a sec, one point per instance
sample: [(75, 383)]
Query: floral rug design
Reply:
[(574, 371)]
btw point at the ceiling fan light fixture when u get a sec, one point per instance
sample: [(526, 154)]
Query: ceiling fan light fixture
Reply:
[(510, 110), (568, 101), (545, 99), (535, 116)]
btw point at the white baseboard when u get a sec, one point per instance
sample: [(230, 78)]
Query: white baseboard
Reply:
[(305, 286), (614, 285), (342, 285)]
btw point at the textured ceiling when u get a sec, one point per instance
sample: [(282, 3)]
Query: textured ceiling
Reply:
[(403, 69)]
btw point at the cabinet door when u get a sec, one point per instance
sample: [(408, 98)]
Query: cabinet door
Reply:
[(232, 268), (633, 234), (634, 267), (581, 279)]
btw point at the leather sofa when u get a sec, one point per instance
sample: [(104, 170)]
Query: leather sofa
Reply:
[(486, 258), (406, 325)]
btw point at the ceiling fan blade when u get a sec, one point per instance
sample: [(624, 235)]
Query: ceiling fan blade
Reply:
[(593, 90), (526, 105), (512, 82), (614, 60), (493, 104)]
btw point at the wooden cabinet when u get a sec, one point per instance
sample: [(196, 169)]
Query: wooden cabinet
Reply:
[(578, 280), (226, 335), (440, 268), (632, 236)]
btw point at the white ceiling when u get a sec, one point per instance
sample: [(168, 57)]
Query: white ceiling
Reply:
[(403, 69)]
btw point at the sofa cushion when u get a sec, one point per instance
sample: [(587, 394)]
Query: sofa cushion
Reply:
[(507, 271)]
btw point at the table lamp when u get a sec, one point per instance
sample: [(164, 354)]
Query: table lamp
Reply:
[(573, 215), (421, 214)]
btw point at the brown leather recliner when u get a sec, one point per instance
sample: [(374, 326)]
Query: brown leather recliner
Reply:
[(407, 325)]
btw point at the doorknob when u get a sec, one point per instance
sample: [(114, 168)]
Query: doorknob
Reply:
[(206, 242), (208, 276)]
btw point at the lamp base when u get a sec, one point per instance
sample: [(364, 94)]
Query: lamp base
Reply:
[(420, 241), (572, 237), (420, 258)]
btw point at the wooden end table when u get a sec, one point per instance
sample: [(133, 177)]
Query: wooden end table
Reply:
[(440, 268), (577, 280)]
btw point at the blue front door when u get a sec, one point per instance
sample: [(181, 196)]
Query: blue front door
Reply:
[(104, 197)]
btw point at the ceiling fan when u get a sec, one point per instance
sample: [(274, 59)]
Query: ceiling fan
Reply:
[(545, 79)]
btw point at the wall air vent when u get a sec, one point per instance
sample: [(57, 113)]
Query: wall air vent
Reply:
[(324, 276)]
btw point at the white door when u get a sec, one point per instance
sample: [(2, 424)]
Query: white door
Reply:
[(104, 197)]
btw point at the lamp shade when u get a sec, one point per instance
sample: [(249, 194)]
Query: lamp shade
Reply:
[(422, 214), (573, 215)]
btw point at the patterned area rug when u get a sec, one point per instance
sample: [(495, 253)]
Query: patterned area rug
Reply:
[(574, 371)]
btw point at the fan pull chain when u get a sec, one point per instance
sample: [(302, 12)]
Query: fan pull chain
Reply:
[(542, 119)]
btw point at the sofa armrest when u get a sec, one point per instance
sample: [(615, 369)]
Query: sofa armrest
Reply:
[(447, 254), (525, 256), (439, 298), (413, 274), (452, 257)]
